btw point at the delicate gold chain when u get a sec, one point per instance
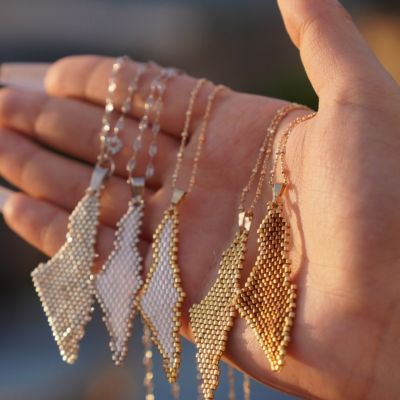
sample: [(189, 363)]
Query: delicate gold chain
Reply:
[(246, 387), (185, 132), (175, 390), (231, 383), (148, 364), (263, 158), (161, 86), (281, 150), (202, 135)]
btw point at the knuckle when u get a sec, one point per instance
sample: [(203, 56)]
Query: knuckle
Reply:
[(9, 104), (14, 209), (48, 232), (321, 16), (53, 79)]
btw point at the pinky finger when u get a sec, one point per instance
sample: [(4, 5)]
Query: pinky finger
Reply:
[(44, 225)]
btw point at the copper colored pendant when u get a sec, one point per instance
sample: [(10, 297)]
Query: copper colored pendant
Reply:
[(267, 301)]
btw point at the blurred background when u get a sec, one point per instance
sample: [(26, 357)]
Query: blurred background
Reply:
[(242, 44)]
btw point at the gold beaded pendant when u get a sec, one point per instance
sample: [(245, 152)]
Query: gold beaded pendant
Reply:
[(162, 295), (212, 319), (268, 299), (65, 284)]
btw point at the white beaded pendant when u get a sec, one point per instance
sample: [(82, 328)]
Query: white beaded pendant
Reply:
[(65, 283), (162, 294), (119, 281)]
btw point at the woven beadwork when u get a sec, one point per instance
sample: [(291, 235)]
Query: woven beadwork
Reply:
[(212, 318), (120, 280), (162, 294), (65, 283), (267, 300)]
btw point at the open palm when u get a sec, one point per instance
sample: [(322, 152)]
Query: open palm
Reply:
[(343, 200)]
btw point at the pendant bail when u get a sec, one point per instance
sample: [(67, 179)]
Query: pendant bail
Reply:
[(98, 175), (137, 185), (278, 190), (177, 196), (245, 220)]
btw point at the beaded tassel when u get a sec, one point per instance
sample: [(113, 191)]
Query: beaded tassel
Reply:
[(212, 318), (162, 295), (120, 280), (267, 300), (65, 283)]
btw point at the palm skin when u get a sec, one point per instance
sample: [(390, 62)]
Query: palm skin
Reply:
[(342, 203)]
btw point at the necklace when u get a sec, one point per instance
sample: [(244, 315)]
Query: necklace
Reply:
[(120, 278), (268, 299), (212, 318), (65, 284), (162, 294)]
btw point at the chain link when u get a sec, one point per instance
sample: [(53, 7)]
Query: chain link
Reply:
[(263, 158), (185, 132), (281, 150)]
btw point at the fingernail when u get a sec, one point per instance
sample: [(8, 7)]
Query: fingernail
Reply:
[(4, 195), (23, 75)]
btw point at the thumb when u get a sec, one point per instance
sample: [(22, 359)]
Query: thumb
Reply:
[(338, 62)]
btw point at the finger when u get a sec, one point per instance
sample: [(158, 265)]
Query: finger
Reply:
[(44, 226), (338, 61), (63, 182), (73, 127), (5, 193), (86, 77), (24, 75)]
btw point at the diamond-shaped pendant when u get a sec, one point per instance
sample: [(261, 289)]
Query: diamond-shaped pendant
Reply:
[(212, 318), (267, 301), (65, 283), (120, 280), (162, 295)]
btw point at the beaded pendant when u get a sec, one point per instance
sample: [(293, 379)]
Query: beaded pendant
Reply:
[(162, 295), (65, 283), (212, 319), (267, 300), (120, 280)]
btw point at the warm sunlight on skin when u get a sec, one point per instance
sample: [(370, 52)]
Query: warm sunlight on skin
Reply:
[(343, 201)]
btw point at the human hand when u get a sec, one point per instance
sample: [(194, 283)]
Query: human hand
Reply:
[(343, 198)]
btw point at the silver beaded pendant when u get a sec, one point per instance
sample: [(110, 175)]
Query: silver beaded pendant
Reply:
[(162, 294), (120, 279)]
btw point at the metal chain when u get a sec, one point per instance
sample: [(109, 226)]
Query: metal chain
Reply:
[(202, 135), (175, 390), (246, 387), (263, 158), (154, 102), (281, 150), (231, 383), (161, 86), (148, 381), (185, 132), (109, 143)]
